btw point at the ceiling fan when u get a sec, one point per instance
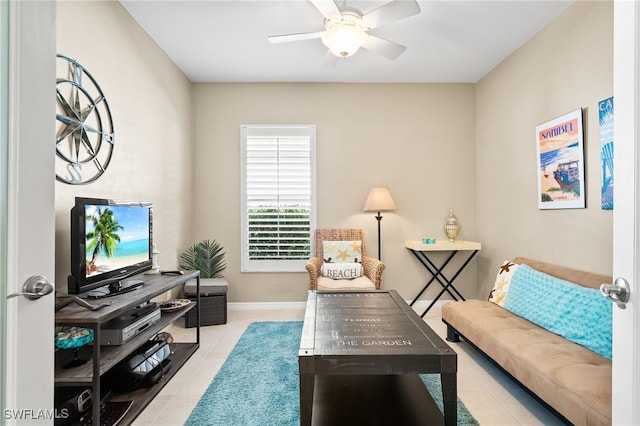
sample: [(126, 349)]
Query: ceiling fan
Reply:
[(346, 29)]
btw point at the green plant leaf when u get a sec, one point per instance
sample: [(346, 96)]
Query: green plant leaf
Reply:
[(206, 256)]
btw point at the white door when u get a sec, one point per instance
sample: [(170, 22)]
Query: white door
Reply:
[(626, 214), (27, 208)]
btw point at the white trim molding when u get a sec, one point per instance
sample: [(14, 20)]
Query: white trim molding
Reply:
[(626, 214)]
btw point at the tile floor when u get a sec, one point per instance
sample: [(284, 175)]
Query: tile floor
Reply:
[(490, 396)]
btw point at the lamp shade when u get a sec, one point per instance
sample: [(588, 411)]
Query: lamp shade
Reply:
[(378, 200)]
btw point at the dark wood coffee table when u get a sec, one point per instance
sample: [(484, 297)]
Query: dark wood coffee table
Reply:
[(360, 355)]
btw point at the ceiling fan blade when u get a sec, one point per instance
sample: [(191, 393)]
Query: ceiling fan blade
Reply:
[(294, 37), (393, 11), (386, 48), (328, 9)]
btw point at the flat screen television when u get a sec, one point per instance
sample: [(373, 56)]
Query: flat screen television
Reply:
[(110, 241)]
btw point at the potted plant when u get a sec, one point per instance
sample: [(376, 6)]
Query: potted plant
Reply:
[(206, 256)]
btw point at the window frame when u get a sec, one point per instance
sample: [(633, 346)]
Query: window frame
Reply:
[(297, 130)]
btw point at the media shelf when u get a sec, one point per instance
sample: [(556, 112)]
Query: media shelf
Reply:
[(101, 359)]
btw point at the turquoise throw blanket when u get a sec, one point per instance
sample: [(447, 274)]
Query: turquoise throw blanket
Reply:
[(574, 312)]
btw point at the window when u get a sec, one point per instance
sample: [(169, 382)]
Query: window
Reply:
[(278, 197)]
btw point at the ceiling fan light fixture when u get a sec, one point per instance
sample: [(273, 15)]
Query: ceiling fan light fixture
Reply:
[(344, 38), (346, 29)]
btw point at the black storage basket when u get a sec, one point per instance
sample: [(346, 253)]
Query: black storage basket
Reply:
[(213, 311)]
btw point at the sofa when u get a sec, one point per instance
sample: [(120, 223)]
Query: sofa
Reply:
[(548, 327)]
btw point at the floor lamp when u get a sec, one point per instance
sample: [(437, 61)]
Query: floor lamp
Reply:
[(379, 200)]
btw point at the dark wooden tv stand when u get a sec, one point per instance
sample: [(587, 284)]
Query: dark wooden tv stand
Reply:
[(101, 359)]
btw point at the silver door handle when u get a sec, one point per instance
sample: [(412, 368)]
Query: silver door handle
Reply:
[(34, 288), (618, 292)]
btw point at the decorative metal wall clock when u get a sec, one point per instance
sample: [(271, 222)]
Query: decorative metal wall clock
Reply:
[(84, 127)]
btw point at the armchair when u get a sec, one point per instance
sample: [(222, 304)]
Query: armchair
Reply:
[(372, 268)]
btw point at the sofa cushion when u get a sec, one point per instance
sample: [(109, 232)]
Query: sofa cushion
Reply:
[(342, 251), (585, 279), (360, 283), (341, 271), (576, 313), (502, 283)]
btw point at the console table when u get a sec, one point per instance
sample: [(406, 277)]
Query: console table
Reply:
[(423, 251), (101, 359)]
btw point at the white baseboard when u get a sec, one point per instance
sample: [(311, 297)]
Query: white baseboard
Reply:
[(420, 305)]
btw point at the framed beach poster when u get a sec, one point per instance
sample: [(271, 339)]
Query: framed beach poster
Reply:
[(560, 149), (605, 109)]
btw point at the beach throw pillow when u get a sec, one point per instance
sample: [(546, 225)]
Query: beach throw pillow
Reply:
[(576, 313), (342, 251), (503, 280), (341, 271)]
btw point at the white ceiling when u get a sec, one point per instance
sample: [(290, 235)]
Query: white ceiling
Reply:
[(449, 41)]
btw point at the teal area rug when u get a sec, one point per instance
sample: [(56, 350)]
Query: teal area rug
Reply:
[(258, 383)]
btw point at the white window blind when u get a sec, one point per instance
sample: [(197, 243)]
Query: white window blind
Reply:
[(278, 172)]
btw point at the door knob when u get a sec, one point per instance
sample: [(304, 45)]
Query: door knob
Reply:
[(34, 288), (618, 292)]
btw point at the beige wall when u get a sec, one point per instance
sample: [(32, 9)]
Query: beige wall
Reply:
[(461, 146), (568, 65), (151, 104), (417, 139)]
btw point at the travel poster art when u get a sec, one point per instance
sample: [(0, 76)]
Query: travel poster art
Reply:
[(605, 112), (560, 151)]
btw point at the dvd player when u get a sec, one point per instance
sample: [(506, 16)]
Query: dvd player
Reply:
[(125, 327)]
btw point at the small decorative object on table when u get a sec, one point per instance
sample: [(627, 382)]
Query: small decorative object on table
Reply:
[(174, 305), (451, 226), (155, 266), (74, 338)]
